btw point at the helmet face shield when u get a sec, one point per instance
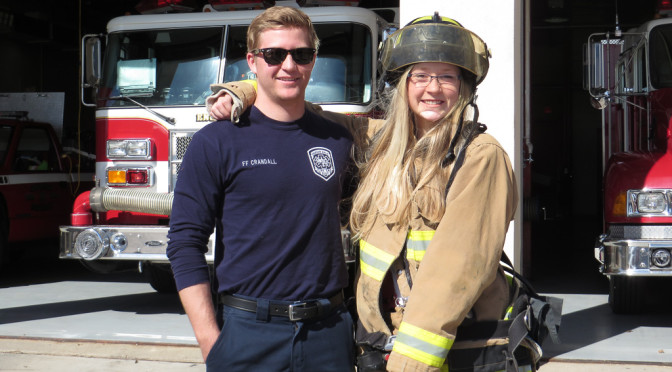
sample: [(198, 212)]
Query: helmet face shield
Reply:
[(436, 42)]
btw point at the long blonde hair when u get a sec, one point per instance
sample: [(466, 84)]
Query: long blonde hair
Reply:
[(401, 176)]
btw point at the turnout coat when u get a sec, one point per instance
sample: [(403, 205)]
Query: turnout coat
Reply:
[(454, 267)]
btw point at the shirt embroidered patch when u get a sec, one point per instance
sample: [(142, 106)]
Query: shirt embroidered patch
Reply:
[(322, 162)]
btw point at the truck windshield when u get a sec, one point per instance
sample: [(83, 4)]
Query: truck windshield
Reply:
[(177, 66), (342, 72), (660, 56), (161, 67)]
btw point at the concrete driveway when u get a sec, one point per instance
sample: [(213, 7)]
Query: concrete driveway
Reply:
[(55, 315)]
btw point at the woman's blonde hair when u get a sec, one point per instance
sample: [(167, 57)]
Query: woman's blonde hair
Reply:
[(402, 176), (280, 17)]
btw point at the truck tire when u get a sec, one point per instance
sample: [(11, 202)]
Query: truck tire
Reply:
[(4, 250), (626, 294), (160, 277)]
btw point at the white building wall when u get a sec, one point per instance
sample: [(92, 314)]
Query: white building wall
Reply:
[(500, 96)]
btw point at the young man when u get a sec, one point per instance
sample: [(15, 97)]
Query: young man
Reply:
[(271, 186)]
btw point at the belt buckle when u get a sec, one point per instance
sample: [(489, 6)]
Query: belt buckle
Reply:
[(291, 310)]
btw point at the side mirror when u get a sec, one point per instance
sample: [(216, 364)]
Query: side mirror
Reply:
[(600, 55), (91, 68)]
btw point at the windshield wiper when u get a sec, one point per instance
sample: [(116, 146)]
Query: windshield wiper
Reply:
[(126, 98)]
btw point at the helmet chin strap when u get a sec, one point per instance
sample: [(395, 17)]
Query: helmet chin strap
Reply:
[(450, 156)]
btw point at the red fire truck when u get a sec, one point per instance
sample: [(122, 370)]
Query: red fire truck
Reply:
[(38, 180), (629, 76), (149, 89)]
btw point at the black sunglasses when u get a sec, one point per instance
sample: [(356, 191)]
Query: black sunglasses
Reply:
[(275, 56)]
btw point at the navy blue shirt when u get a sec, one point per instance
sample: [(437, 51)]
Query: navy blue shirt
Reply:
[(272, 191)]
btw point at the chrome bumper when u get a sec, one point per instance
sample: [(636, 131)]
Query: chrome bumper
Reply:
[(635, 251), (139, 243)]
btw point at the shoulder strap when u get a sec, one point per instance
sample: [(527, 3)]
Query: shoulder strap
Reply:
[(475, 130)]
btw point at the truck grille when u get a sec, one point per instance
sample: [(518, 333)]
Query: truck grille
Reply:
[(179, 141), (640, 232)]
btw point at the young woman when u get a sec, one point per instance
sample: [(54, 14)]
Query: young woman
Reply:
[(429, 254)]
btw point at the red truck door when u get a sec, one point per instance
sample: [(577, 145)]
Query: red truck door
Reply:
[(35, 189)]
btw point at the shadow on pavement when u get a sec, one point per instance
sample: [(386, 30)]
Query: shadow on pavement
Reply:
[(141, 303), (38, 262)]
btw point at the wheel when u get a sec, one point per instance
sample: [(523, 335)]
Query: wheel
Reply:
[(4, 250), (626, 294), (160, 277)]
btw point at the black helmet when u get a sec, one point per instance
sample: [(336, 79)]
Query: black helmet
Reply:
[(434, 39)]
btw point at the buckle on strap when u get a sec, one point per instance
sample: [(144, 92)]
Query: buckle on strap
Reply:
[(297, 305)]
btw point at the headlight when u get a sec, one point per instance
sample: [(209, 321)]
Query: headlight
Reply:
[(649, 202), (129, 149)]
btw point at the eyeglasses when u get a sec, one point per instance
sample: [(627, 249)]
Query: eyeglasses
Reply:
[(275, 56), (422, 80)]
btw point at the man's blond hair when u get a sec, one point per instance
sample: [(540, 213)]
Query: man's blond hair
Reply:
[(278, 17)]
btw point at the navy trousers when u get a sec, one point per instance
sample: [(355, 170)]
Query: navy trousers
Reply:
[(260, 342)]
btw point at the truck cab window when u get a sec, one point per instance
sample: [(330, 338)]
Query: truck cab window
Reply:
[(5, 135), (660, 56), (35, 152)]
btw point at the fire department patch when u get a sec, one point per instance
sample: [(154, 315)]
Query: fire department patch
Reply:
[(322, 162)]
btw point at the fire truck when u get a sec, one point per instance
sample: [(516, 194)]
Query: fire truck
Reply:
[(149, 88), (629, 77), (39, 178)]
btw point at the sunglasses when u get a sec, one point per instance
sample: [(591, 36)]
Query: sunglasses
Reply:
[(275, 56)]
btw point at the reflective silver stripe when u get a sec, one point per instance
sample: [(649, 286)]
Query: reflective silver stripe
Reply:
[(36, 177), (421, 345), (417, 243)]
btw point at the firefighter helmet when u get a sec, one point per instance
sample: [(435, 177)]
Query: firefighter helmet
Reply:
[(434, 39)]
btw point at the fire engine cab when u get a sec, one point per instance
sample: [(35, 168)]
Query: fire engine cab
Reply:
[(149, 89), (629, 76)]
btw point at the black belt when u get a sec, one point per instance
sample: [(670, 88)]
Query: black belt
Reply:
[(297, 311)]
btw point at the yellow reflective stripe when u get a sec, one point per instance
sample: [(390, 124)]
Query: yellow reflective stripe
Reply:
[(421, 345), (444, 368), (374, 262), (253, 82), (509, 312), (417, 243), (509, 278), (421, 235)]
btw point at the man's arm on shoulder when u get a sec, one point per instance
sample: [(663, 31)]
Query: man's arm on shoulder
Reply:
[(231, 98)]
